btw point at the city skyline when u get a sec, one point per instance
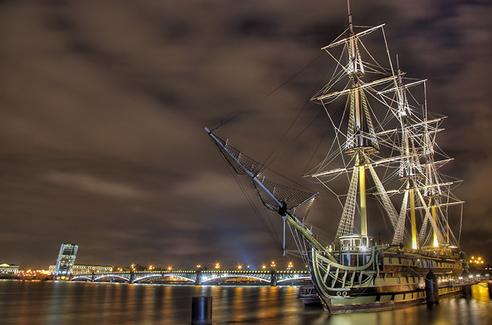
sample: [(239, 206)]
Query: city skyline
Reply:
[(103, 105)]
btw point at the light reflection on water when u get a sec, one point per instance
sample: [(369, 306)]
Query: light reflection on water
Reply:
[(88, 303)]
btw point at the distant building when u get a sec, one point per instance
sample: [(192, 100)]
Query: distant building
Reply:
[(66, 260), (9, 269), (85, 269)]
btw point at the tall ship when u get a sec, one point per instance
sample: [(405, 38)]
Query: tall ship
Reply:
[(385, 156)]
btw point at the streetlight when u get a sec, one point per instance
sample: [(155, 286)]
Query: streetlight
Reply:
[(477, 260), (217, 265), (239, 266), (198, 266), (263, 267), (273, 264), (290, 265), (169, 268)]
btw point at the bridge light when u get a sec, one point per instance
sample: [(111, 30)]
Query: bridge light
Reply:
[(217, 266)]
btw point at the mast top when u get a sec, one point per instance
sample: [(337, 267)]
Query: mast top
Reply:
[(350, 24)]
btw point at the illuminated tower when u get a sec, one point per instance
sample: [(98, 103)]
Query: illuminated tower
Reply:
[(66, 260)]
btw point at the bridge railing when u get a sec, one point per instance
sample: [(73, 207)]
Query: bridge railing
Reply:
[(199, 276)]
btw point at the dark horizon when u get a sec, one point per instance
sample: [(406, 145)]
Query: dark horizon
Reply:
[(103, 107)]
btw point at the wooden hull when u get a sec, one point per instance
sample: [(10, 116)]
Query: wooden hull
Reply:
[(382, 302), (388, 279)]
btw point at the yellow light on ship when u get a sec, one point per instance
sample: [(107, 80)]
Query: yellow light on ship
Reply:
[(435, 243)]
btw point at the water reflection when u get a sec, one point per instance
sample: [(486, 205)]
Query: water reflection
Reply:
[(86, 303)]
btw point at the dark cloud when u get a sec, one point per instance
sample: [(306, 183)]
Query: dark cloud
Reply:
[(103, 105)]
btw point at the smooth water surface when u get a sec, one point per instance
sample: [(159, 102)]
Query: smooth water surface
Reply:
[(104, 303)]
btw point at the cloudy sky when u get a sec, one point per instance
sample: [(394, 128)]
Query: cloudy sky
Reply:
[(103, 104)]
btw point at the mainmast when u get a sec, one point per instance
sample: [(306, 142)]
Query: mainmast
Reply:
[(410, 164), (423, 186)]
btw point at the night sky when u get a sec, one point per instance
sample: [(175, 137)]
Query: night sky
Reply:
[(103, 105)]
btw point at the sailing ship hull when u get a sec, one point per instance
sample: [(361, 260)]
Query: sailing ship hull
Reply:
[(392, 279), (355, 301)]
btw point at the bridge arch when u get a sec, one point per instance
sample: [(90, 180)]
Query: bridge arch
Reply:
[(163, 276), (207, 280), (81, 278), (293, 279), (111, 276)]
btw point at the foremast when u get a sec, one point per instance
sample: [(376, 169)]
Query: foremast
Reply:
[(361, 143)]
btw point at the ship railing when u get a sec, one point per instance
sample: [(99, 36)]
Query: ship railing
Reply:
[(338, 277)]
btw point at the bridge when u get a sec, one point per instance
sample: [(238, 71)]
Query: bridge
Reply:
[(200, 277)]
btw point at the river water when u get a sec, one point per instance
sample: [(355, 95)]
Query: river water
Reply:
[(33, 303)]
